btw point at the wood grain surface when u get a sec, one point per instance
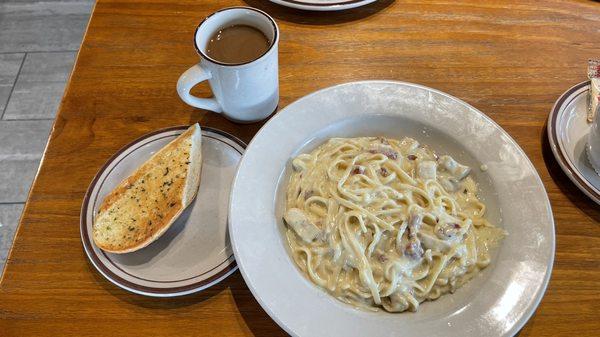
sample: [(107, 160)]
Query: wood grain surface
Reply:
[(510, 59)]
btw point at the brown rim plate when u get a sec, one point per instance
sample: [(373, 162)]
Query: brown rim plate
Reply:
[(323, 5), (195, 253), (567, 134)]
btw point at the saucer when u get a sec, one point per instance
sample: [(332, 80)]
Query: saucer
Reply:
[(195, 252), (568, 130)]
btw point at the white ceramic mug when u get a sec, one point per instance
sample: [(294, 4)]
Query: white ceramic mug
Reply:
[(246, 92)]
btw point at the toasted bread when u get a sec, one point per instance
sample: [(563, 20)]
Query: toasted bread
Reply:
[(145, 204)]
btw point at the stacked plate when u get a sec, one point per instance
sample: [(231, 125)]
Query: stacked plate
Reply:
[(323, 5)]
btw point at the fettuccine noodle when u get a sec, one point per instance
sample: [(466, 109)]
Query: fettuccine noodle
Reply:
[(382, 223)]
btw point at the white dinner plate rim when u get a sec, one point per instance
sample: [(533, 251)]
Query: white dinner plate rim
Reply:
[(227, 269), (558, 150), (342, 5), (527, 314)]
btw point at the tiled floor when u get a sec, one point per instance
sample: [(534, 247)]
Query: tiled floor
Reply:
[(38, 44)]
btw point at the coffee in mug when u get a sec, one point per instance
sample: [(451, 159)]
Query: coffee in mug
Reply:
[(237, 44)]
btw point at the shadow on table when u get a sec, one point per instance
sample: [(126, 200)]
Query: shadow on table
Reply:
[(245, 132), (567, 187), (156, 302), (255, 318), (319, 18)]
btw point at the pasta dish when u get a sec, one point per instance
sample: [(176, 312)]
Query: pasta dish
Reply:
[(382, 223)]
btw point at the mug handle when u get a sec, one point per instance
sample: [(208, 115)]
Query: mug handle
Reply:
[(188, 80)]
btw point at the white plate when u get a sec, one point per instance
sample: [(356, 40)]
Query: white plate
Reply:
[(567, 133), (497, 302), (323, 5), (195, 252)]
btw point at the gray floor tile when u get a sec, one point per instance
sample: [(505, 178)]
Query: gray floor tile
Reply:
[(16, 175), (40, 86), (42, 25), (9, 68), (21, 146), (23, 137), (9, 220)]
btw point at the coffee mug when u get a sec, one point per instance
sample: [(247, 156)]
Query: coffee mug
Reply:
[(246, 92)]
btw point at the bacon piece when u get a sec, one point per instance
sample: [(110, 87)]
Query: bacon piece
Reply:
[(385, 150), (358, 170), (393, 155)]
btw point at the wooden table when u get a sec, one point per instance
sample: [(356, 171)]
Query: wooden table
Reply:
[(511, 60)]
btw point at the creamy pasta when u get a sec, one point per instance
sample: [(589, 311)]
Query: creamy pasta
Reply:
[(382, 223)]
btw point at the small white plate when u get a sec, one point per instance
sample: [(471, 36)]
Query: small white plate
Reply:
[(323, 5), (498, 302), (195, 252), (567, 133)]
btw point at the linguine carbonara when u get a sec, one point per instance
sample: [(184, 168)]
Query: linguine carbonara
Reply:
[(382, 223)]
